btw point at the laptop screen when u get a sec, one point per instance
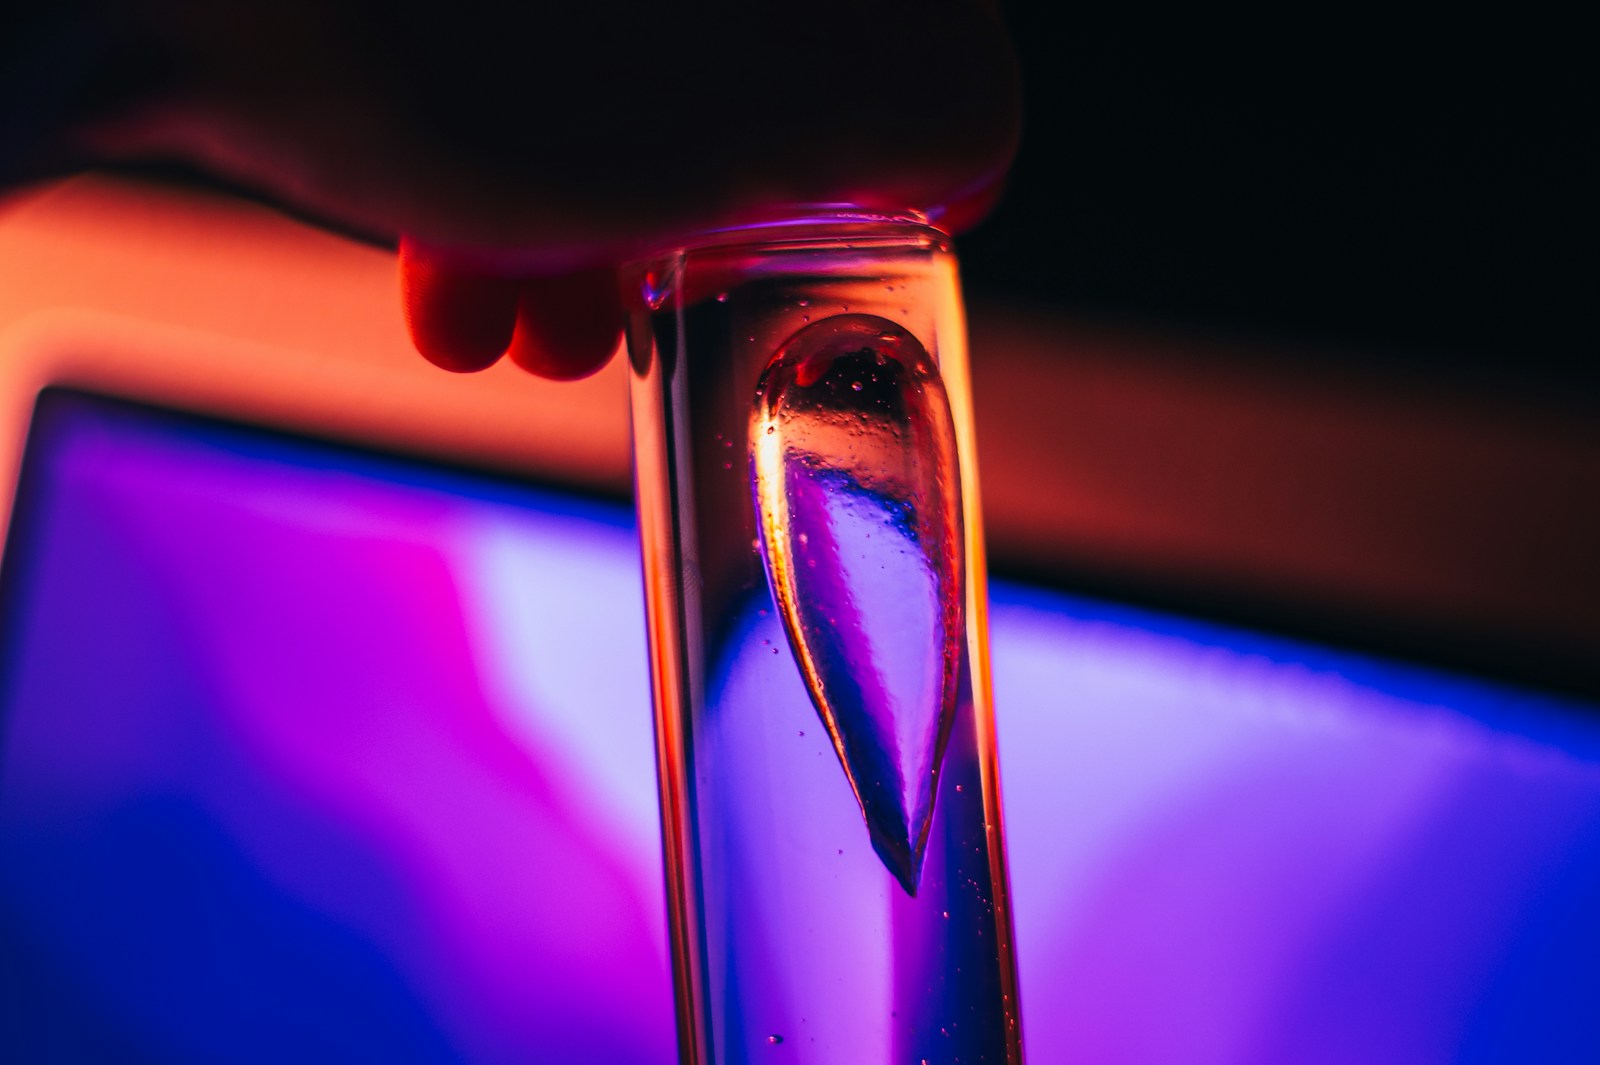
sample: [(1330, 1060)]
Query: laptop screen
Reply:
[(311, 754)]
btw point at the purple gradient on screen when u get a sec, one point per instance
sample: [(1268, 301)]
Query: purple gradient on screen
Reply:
[(284, 656), (312, 756), (1230, 849)]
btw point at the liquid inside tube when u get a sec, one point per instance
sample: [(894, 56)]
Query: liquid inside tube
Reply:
[(853, 459), (808, 500)]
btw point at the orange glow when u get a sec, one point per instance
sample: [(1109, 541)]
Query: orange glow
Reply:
[(1166, 459), (198, 302)]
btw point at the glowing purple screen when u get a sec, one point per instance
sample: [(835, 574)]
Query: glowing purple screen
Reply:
[(308, 755)]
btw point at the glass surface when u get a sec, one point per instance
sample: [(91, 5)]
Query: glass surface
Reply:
[(802, 433), (308, 755)]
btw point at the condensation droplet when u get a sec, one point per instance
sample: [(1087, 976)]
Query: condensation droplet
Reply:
[(853, 455), (654, 289)]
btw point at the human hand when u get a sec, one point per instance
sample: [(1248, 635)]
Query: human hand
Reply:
[(518, 154)]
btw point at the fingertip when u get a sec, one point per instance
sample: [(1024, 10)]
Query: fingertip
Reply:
[(460, 320), (965, 212), (568, 326)]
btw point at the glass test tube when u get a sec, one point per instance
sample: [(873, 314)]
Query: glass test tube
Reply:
[(825, 740)]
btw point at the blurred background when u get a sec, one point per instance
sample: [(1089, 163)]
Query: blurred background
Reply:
[(1383, 222), (1408, 190)]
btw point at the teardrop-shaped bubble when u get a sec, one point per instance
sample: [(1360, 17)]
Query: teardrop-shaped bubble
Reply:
[(853, 455)]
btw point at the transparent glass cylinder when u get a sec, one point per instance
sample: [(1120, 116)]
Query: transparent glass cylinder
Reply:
[(830, 805)]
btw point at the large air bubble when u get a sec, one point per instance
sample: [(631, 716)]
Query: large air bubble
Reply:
[(853, 455)]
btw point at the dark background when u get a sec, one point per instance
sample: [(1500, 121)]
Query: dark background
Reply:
[(1409, 191)]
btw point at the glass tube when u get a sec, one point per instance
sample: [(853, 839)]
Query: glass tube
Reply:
[(825, 740)]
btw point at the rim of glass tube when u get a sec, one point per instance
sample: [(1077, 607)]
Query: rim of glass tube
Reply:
[(801, 224)]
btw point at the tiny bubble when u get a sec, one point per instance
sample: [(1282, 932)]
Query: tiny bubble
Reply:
[(722, 297), (958, 787), (774, 1039), (802, 732), (841, 851), (727, 465), (855, 386), (946, 914), (805, 303)]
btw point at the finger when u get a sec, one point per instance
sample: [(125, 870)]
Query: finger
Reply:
[(965, 212), (568, 326), (460, 319)]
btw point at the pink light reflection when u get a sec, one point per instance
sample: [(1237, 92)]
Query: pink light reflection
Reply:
[(295, 596)]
